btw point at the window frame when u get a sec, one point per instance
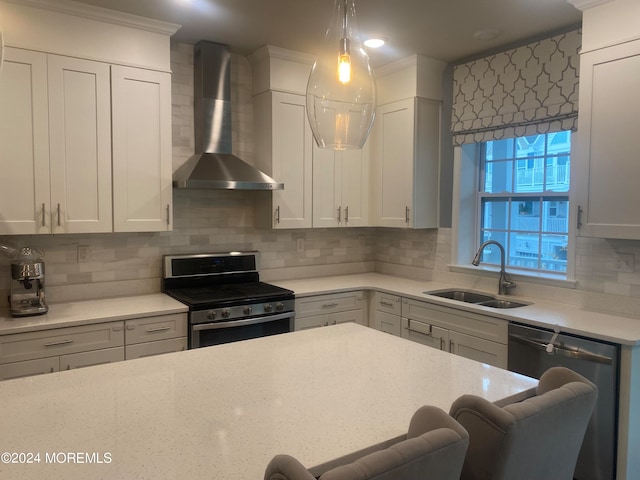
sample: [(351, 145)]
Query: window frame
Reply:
[(465, 227)]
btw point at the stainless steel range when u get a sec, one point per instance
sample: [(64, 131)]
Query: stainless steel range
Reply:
[(226, 299)]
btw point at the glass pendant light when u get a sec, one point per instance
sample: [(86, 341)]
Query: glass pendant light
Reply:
[(341, 93)]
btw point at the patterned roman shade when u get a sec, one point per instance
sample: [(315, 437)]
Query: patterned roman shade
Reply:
[(524, 91)]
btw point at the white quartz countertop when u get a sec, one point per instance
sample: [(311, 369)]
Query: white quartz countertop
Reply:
[(91, 311), (570, 319), (223, 412)]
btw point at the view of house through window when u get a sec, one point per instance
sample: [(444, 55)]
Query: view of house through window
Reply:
[(524, 200)]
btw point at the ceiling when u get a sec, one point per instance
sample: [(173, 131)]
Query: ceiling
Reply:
[(442, 29)]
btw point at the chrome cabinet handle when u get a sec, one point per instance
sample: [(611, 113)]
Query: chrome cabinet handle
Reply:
[(58, 209), (158, 329), (579, 217), (278, 214), (167, 214), (329, 305), (339, 214), (56, 344), (44, 222), (346, 214), (406, 214), (386, 304)]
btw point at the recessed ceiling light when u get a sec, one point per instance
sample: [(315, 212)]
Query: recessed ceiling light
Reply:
[(487, 34), (375, 42)]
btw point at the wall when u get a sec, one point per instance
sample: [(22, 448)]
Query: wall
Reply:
[(126, 264)]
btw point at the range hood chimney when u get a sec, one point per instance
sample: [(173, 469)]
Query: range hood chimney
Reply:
[(214, 166)]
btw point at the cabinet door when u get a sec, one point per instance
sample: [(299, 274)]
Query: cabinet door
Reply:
[(393, 154), (607, 167), (313, 321), (149, 349), (291, 161), (425, 334), (24, 144), (354, 184), (356, 316), (88, 359), (327, 188), (478, 349), (29, 367), (80, 145), (142, 171), (386, 322)]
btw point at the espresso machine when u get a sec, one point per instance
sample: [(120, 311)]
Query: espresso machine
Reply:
[(27, 284)]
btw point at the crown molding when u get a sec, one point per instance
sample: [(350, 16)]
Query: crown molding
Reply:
[(91, 12)]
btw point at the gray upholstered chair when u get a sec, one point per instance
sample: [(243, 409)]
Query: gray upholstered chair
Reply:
[(536, 439), (433, 450)]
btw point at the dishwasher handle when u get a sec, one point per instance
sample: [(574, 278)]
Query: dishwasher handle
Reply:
[(562, 352)]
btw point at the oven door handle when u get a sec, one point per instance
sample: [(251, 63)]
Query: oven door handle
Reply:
[(242, 322)]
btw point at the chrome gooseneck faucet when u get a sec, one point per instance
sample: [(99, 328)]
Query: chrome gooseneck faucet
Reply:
[(504, 283)]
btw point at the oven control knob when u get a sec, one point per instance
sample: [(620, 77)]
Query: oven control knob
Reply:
[(279, 307), (268, 307), (247, 310), (211, 315), (225, 313)]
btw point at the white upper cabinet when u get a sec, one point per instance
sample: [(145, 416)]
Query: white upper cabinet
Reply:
[(606, 159), (142, 183), (341, 187), (284, 149), (283, 138), (406, 156), (58, 88), (55, 153), (79, 145), (25, 192), (405, 144)]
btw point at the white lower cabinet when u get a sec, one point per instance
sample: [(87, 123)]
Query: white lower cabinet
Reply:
[(331, 309), (470, 335), (47, 351), (386, 310), (32, 353), (155, 335)]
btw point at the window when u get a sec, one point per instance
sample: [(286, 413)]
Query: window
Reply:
[(523, 201)]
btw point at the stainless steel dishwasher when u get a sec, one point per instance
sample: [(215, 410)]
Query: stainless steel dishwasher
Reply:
[(533, 350)]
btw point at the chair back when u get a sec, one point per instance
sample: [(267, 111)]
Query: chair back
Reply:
[(436, 454), (536, 439)]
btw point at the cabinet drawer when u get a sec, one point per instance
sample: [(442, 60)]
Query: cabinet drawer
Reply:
[(483, 326), (338, 302), (156, 328), (60, 341), (387, 303), (27, 368), (88, 359), (149, 349)]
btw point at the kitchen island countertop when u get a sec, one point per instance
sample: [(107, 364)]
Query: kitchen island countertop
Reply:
[(224, 411)]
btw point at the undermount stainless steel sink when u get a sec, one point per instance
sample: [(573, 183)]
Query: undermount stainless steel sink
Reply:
[(462, 295), (480, 299), (502, 304)]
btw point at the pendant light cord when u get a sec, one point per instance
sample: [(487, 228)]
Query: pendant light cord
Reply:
[(1, 49)]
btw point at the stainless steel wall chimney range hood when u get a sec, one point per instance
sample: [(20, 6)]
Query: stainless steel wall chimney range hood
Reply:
[(214, 166)]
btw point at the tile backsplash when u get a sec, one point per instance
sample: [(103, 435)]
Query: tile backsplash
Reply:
[(210, 221)]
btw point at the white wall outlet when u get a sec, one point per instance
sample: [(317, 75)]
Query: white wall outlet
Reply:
[(83, 253), (300, 244), (625, 262)]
